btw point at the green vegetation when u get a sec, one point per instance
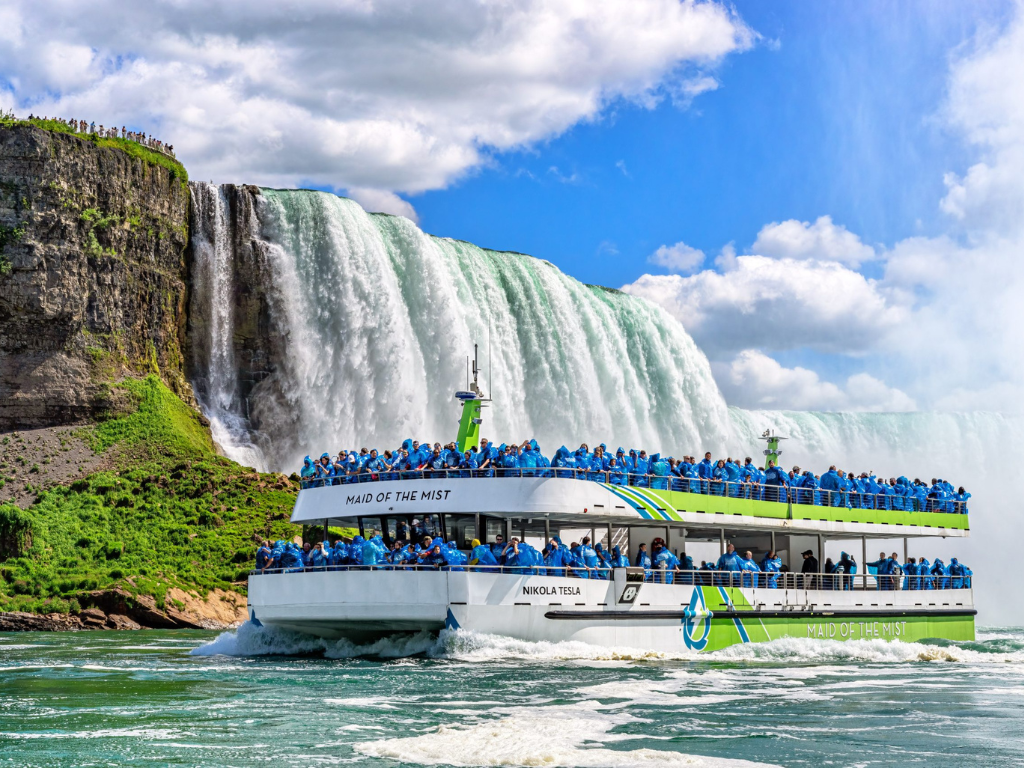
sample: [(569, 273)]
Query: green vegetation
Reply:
[(7, 120), (8, 235), (169, 512)]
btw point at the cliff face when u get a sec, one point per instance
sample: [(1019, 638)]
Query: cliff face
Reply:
[(231, 339), (92, 275)]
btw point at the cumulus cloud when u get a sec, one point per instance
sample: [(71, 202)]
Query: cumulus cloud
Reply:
[(677, 258), (775, 304), (382, 201), (755, 380), (391, 95), (943, 324), (823, 241)]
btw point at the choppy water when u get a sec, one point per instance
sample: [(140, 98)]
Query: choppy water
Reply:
[(163, 698)]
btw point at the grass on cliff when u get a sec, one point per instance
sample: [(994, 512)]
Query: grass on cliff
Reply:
[(126, 145), (169, 513)]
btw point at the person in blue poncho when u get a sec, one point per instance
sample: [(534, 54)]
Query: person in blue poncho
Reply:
[(705, 471), (664, 563), (308, 471), (776, 479), (719, 477), (771, 565), (355, 550), (881, 566), (618, 469), (685, 570), (641, 469), (468, 465), (940, 573), (453, 558), (528, 458), (488, 458), (729, 562), (556, 557), (751, 572), (849, 566), (317, 557), (659, 470), (643, 560), (961, 498), (619, 560), (482, 555), (589, 557), (339, 554), (603, 563), (374, 552)]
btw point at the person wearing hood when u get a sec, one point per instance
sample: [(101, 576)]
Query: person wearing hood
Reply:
[(619, 560), (776, 479), (956, 574), (308, 472), (910, 573), (556, 557), (849, 566), (940, 573), (588, 555), (355, 550), (924, 579), (482, 555), (685, 570), (659, 470), (960, 501), (528, 458), (374, 552), (664, 564), (832, 485), (642, 470), (617, 469), (453, 558), (339, 554), (771, 565), (719, 477), (705, 471), (603, 564)]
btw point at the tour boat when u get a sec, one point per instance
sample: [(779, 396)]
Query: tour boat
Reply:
[(622, 607)]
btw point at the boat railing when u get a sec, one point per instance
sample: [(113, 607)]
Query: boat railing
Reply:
[(723, 488), (833, 582)]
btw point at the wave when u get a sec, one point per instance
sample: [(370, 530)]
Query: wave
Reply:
[(473, 647), (532, 740)]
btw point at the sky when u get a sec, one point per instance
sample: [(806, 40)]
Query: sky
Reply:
[(827, 195)]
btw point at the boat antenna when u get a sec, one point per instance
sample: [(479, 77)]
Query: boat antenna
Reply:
[(473, 401)]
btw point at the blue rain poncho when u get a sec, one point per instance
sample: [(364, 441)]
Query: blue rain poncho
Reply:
[(264, 556), (355, 550), (619, 560), (750, 573), (664, 566), (772, 566), (482, 555), (453, 558)]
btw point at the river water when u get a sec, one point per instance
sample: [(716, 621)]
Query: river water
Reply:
[(255, 697)]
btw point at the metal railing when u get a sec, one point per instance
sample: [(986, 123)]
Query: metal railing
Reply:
[(722, 488), (836, 582)]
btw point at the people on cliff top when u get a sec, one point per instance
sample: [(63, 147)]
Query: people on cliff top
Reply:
[(81, 126), (725, 477)]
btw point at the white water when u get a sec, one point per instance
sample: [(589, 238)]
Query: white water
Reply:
[(378, 318)]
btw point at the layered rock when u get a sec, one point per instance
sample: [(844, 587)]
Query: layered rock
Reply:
[(92, 275)]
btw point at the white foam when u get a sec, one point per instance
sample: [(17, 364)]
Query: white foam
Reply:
[(259, 640), (806, 650), (530, 740)]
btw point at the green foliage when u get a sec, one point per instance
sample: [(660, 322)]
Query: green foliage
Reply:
[(133, 148), (170, 513), (9, 235), (159, 420)]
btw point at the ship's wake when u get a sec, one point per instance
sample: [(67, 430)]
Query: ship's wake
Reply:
[(995, 646)]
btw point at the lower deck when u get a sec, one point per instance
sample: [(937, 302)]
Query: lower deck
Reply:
[(621, 611)]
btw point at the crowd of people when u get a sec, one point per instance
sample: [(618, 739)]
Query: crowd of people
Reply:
[(592, 561), (722, 477), (111, 132)]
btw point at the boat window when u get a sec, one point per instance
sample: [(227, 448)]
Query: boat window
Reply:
[(461, 529), (427, 525), (369, 526), (393, 526), (493, 527)]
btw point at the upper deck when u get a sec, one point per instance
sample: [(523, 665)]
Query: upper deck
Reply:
[(575, 495)]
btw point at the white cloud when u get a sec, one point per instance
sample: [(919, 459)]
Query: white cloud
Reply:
[(392, 95), (823, 241), (754, 380), (775, 304), (382, 201), (677, 258)]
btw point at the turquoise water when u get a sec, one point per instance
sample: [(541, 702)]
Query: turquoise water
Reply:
[(173, 698)]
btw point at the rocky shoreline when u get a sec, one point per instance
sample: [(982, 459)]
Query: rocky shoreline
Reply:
[(118, 609)]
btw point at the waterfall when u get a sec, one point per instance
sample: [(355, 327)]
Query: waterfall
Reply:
[(377, 318)]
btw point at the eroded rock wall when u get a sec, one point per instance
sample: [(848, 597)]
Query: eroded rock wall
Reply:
[(92, 276)]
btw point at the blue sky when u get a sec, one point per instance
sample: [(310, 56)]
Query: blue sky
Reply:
[(832, 112)]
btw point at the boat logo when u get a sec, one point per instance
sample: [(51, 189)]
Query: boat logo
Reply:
[(629, 594), (696, 622)]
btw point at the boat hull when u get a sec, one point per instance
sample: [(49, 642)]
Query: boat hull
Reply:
[(673, 618)]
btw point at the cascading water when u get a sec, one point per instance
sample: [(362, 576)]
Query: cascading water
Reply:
[(377, 319)]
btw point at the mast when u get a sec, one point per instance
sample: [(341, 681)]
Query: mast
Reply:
[(772, 452), (472, 404)]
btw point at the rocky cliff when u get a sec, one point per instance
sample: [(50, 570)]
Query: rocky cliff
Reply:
[(92, 275)]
